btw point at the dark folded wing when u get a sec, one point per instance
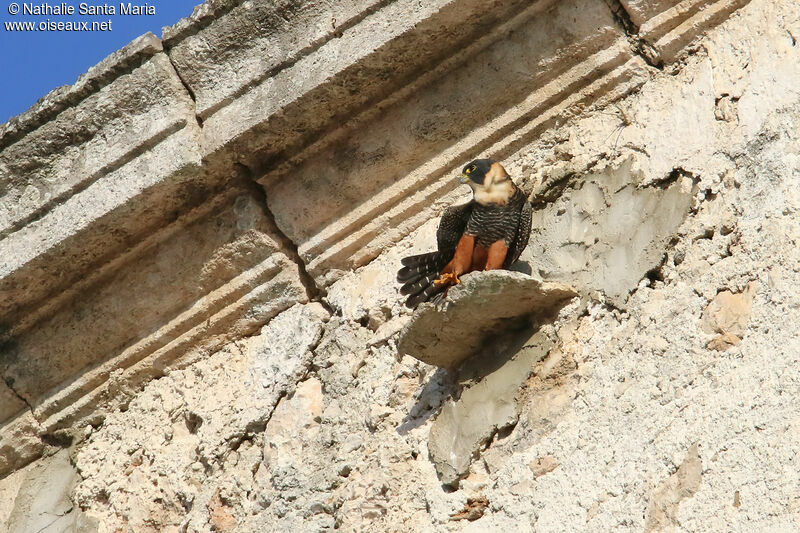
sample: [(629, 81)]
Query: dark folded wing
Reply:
[(522, 235), (452, 225), (420, 271)]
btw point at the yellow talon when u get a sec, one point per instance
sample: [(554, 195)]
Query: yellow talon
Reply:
[(450, 278)]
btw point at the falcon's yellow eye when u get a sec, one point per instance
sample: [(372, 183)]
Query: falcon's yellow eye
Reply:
[(468, 170)]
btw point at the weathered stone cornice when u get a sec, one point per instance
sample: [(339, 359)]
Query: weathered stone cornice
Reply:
[(92, 178), (108, 70), (669, 25)]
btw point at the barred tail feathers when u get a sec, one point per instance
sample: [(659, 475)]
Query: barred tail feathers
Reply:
[(418, 274)]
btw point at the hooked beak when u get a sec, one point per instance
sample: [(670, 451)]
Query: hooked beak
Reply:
[(463, 178)]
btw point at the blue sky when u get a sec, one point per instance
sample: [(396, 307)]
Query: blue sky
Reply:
[(32, 63)]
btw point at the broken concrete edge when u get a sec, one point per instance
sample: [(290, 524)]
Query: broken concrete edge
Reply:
[(112, 67), (202, 15), (657, 205), (487, 404)]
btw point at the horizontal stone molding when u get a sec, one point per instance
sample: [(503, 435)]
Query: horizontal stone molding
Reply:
[(108, 70), (280, 33), (289, 106), (112, 160), (400, 160)]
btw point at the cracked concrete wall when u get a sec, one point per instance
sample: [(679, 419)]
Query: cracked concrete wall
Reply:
[(212, 343)]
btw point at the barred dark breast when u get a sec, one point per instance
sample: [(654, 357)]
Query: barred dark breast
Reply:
[(491, 223), (486, 233)]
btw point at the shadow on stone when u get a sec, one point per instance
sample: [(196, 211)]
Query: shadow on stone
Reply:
[(521, 266), (497, 351), (445, 385), (441, 386), (486, 338)]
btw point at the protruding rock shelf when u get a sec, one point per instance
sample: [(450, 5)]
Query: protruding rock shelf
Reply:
[(483, 304)]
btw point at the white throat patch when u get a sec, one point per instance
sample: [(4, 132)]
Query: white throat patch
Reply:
[(497, 193), (497, 187)]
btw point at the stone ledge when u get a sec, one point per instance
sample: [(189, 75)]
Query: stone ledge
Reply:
[(50, 210), (483, 306), (183, 276)]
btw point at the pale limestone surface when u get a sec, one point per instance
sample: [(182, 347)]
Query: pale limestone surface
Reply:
[(265, 404), (187, 424), (41, 498)]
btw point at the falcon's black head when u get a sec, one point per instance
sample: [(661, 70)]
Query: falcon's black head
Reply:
[(490, 182), (476, 171)]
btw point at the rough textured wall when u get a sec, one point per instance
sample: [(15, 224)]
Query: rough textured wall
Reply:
[(225, 354)]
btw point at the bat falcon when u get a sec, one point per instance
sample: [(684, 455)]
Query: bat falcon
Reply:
[(488, 232)]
